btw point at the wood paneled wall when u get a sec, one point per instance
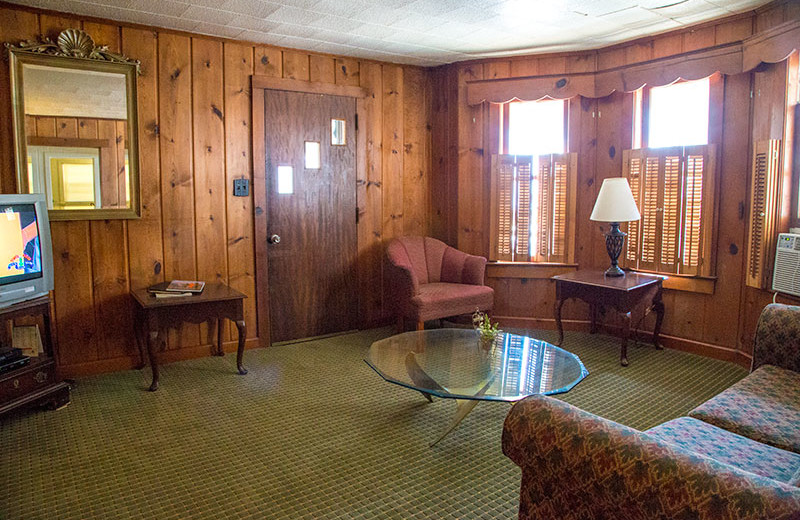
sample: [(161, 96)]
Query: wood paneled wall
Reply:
[(719, 324), (195, 138)]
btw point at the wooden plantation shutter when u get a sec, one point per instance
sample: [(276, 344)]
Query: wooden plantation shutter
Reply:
[(541, 208), (764, 209), (557, 193), (674, 190), (502, 217)]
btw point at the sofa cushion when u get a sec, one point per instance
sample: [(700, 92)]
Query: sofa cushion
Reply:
[(764, 406), (452, 299), (732, 449)]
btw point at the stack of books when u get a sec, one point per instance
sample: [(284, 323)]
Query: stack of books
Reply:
[(176, 288)]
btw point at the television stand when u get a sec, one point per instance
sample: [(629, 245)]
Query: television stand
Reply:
[(36, 383)]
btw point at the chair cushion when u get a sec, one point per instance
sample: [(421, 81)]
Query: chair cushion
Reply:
[(732, 449), (764, 406), (441, 300)]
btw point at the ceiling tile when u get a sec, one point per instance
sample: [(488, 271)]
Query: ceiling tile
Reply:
[(205, 14), (252, 8), (292, 15)]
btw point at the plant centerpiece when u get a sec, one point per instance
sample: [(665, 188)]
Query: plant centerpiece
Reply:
[(487, 331)]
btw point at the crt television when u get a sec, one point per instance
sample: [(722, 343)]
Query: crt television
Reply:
[(26, 256)]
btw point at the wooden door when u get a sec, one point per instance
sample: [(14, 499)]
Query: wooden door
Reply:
[(312, 266)]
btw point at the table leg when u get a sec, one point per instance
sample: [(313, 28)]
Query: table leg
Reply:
[(559, 325), (658, 306), (140, 335), (240, 325), (151, 347), (594, 310), (463, 408), (220, 325), (626, 332)]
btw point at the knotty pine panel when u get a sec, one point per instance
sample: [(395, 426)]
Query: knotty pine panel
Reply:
[(296, 65), (392, 151), (369, 192), (238, 163), (733, 168), (208, 134), (177, 179), (145, 238), (321, 69), (416, 158), (347, 71), (444, 133), (471, 177), (582, 132), (268, 61)]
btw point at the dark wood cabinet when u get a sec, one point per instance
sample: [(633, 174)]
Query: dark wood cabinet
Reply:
[(36, 383)]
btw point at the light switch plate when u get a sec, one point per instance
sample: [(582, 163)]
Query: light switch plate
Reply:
[(241, 187)]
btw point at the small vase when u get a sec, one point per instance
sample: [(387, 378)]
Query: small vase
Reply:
[(486, 343)]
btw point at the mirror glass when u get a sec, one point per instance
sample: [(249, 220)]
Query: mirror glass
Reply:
[(75, 130)]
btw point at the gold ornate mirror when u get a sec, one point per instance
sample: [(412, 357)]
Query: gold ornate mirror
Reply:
[(75, 126)]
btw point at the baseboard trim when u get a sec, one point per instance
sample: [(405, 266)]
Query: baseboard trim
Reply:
[(668, 341), (130, 362)]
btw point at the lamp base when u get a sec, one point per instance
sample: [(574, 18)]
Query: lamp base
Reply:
[(614, 240)]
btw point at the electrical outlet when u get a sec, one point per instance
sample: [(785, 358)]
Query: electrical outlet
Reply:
[(241, 187)]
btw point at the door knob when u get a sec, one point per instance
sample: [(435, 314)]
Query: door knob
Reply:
[(274, 239)]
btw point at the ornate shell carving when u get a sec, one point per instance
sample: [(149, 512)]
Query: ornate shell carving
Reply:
[(76, 43), (72, 43)]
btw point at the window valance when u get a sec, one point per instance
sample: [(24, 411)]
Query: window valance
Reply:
[(771, 46)]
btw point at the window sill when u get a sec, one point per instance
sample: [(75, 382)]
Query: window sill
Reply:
[(678, 282), (528, 270)]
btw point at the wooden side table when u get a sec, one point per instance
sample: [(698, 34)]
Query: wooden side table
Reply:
[(217, 301), (623, 293)]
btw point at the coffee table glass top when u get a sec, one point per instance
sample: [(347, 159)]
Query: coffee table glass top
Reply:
[(450, 363)]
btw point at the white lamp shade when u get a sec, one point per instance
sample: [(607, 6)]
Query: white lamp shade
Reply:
[(615, 202)]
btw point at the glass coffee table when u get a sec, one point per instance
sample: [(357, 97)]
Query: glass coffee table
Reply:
[(450, 363)]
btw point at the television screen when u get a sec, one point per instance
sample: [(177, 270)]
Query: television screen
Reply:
[(20, 247)]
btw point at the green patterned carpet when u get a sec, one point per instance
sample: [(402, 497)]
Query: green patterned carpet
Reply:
[(310, 433)]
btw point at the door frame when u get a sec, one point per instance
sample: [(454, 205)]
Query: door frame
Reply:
[(258, 87)]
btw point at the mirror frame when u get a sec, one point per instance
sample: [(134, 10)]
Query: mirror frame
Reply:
[(75, 49)]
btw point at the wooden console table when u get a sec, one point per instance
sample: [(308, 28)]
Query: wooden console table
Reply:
[(623, 293), (216, 302), (36, 383)]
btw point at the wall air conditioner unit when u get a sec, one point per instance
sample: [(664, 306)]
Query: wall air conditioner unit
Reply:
[(786, 275)]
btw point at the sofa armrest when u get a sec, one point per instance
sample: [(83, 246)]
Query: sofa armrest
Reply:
[(578, 465), (777, 339)]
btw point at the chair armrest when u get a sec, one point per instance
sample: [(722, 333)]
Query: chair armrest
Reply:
[(474, 270), (401, 282), (777, 338), (460, 267), (578, 465)]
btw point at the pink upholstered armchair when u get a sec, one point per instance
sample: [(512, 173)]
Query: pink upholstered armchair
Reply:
[(428, 280)]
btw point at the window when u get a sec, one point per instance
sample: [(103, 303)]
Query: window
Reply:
[(672, 180), (70, 177), (678, 114), (533, 185)]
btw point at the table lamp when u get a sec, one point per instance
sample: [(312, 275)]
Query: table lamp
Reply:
[(615, 204)]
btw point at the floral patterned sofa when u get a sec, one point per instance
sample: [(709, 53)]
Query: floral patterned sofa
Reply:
[(736, 456)]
